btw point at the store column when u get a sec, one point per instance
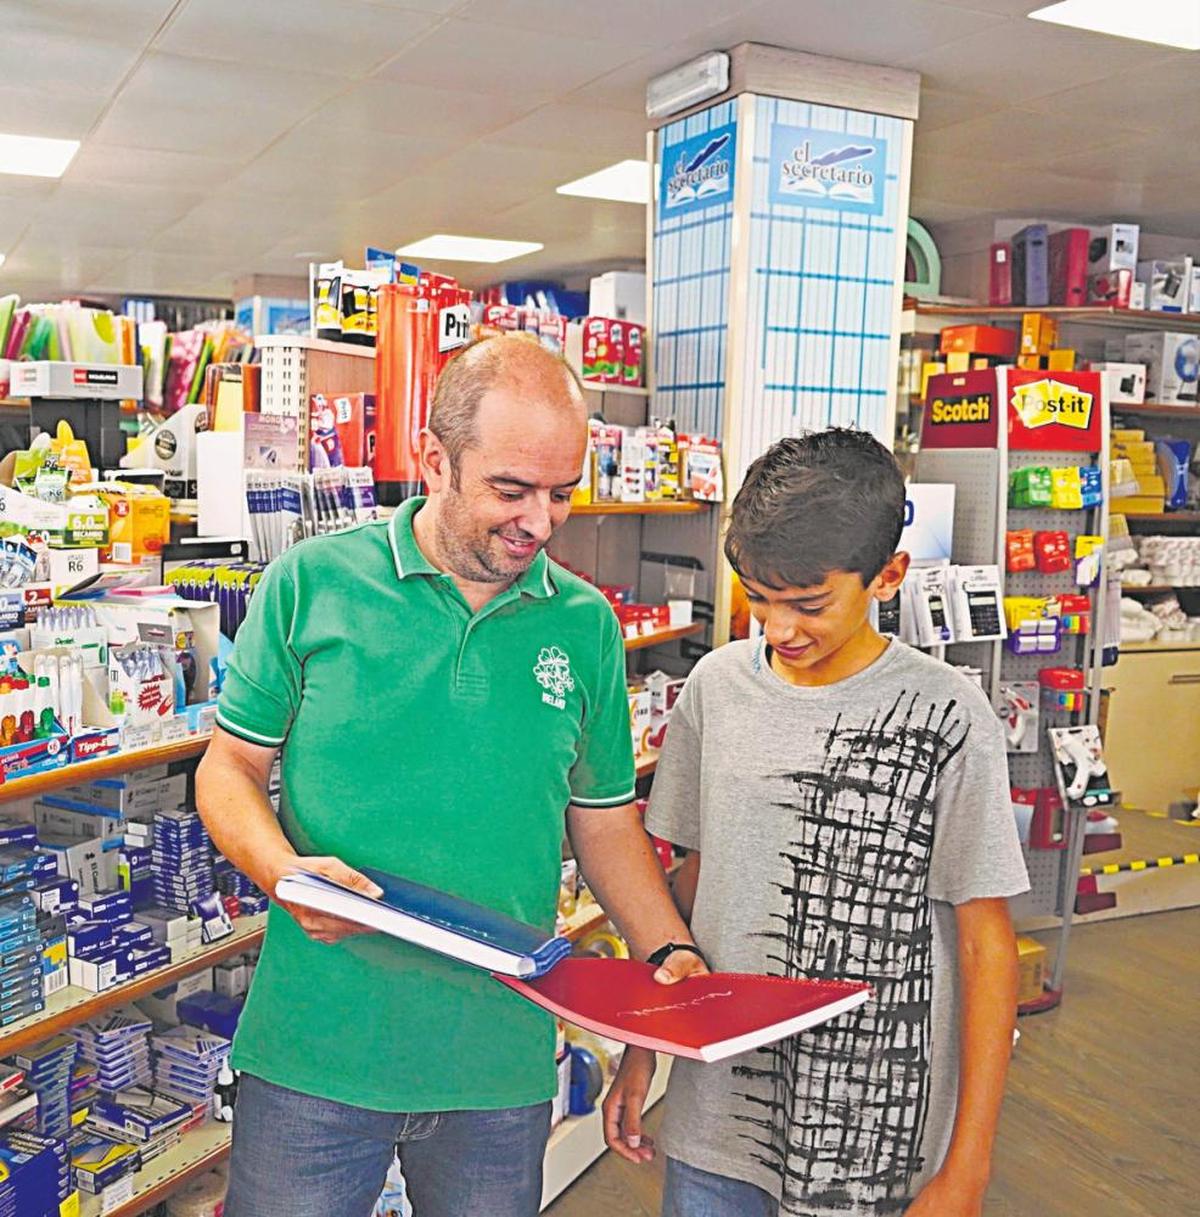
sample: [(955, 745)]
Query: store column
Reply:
[(777, 247)]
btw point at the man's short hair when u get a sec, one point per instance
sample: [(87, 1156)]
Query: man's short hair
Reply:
[(466, 379), (810, 505)]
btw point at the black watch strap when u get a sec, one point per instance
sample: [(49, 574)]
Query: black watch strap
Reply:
[(659, 957)]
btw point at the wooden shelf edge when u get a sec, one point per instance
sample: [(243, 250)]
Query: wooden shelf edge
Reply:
[(102, 767), (663, 507), (653, 640), (46, 1024)]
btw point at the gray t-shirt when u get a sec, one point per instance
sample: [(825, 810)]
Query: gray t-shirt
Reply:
[(837, 827)]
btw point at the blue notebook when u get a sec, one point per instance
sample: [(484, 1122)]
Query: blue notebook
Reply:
[(439, 922)]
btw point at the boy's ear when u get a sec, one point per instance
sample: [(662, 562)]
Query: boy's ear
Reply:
[(887, 582)]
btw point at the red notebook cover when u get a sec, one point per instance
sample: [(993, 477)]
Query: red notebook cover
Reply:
[(707, 1018)]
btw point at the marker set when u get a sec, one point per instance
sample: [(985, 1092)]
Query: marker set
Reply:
[(286, 507)]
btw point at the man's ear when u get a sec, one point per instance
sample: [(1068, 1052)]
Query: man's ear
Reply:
[(887, 582), (435, 462)]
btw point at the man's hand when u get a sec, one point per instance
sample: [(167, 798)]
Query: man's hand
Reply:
[(948, 1195), (321, 927), (623, 1106)]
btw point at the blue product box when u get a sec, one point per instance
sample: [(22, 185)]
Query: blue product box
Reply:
[(18, 833), (47, 867), (36, 756), (57, 895), (133, 934), (212, 1011), (17, 908), (89, 937), (114, 907), (96, 741), (23, 1010)]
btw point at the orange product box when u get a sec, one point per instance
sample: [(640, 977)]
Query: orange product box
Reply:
[(1062, 360), (979, 340), (139, 521)]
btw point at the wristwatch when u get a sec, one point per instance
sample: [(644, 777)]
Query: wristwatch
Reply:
[(659, 957)]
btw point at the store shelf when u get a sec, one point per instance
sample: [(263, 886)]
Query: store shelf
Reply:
[(669, 507), (1102, 315), (647, 763), (72, 1006), (657, 639), (1154, 589), (298, 342), (1136, 648), (102, 767), (1159, 409), (197, 1152), (1169, 519), (627, 390), (577, 1142), (583, 921)]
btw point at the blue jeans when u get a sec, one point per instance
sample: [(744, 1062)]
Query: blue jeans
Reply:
[(299, 1156), (689, 1192)]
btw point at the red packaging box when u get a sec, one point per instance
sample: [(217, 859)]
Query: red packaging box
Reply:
[(342, 427), (1069, 267), (614, 372), (979, 340), (631, 362), (1113, 288)]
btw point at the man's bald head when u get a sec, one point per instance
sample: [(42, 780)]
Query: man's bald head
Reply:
[(523, 369)]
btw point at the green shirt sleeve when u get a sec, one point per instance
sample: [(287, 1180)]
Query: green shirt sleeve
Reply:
[(261, 691), (603, 774)]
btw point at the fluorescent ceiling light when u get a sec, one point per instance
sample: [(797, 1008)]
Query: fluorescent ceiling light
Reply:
[(1169, 22), (442, 247), (1, 259), (33, 156), (624, 182)]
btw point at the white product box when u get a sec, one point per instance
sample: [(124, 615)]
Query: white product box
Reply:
[(634, 455), (231, 977), (105, 381), (67, 567), (1168, 283), (161, 1003), (1194, 294), (93, 975), (1125, 382), (1172, 365), (620, 294), (1137, 295), (89, 863), (1113, 247)]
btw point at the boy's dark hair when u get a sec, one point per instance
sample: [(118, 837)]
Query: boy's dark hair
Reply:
[(826, 501)]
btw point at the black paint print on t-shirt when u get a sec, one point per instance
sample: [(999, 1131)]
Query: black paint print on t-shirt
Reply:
[(839, 1112)]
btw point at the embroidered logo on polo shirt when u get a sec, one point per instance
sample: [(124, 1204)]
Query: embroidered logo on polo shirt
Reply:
[(553, 672)]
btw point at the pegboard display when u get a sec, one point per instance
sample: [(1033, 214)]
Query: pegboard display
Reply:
[(982, 518)]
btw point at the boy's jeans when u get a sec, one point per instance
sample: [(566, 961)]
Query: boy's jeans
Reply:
[(299, 1156), (689, 1192)]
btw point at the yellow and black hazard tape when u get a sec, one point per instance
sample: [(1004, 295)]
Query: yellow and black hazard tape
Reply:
[(1116, 868)]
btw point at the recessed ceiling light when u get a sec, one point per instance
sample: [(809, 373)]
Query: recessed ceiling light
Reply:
[(447, 248), (1169, 22), (33, 156), (624, 182)]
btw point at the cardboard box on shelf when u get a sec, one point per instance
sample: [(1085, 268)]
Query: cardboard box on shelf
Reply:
[(139, 520), (1125, 382), (1113, 247), (1168, 283), (620, 294), (1172, 365), (1069, 266), (979, 340), (1112, 287)]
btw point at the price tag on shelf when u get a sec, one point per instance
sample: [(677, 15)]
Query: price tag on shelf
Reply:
[(175, 730), (116, 1195), (137, 737), (206, 720)]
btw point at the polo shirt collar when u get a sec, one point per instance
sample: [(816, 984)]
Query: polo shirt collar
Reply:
[(408, 559)]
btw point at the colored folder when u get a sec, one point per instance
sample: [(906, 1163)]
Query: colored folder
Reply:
[(707, 1018), (439, 922)]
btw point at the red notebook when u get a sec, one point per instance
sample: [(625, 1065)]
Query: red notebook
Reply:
[(706, 1018)]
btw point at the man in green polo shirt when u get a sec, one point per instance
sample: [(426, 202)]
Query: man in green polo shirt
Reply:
[(446, 699)]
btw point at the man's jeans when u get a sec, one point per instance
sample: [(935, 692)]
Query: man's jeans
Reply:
[(689, 1192), (299, 1156)]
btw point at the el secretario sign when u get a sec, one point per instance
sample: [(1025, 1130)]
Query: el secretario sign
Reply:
[(835, 170), (698, 172)]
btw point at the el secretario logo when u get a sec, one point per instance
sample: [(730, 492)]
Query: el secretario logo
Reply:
[(835, 170), (944, 411), (1047, 403), (698, 172), (553, 672)]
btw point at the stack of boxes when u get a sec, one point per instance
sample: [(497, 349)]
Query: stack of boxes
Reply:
[(182, 860), (21, 991), (1135, 466), (118, 1045), (187, 1062), (49, 1069), (35, 1175)]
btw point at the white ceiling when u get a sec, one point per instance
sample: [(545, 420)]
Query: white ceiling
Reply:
[(223, 138)]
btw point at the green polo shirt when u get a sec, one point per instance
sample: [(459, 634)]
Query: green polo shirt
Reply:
[(439, 744)]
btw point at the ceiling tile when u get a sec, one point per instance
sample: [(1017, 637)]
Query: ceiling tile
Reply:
[(944, 107), (73, 64), (607, 135), (1017, 61), (27, 110), (625, 87), (881, 31), (580, 220), (123, 22), (1016, 136), (632, 22), (60, 266), (112, 164), (440, 7), (93, 213), (347, 38), (486, 58), (399, 108)]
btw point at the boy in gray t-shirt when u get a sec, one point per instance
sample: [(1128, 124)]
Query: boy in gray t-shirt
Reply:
[(846, 801)]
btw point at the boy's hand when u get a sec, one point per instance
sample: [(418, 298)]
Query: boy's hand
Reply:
[(679, 965), (626, 1098), (947, 1195)]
